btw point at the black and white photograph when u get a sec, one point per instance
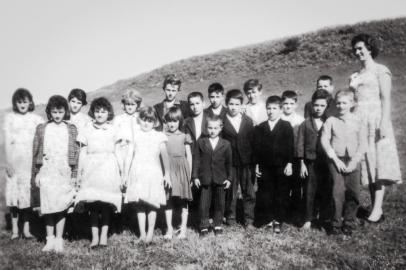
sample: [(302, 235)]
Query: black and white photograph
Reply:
[(262, 134)]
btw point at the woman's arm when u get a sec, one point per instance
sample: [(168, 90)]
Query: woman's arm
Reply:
[(385, 83)]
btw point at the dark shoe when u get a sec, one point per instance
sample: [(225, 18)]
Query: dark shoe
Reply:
[(347, 230), (203, 232), (277, 227), (231, 222), (101, 246), (218, 230), (380, 220), (334, 231)]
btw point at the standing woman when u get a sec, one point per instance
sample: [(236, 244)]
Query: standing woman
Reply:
[(372, 86)]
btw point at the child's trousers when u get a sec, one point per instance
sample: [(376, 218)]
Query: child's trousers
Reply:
[(346, 188), (274, 190), (243, 176), (207, 193), (318, 182)]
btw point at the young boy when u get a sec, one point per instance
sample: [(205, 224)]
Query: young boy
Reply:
[(255, 107), (324, 82), (289, 105), (238, 130), (344, 140), (273, 150), (313, 160), (196, 124), (216, 97), (171, 87), (212, 174)]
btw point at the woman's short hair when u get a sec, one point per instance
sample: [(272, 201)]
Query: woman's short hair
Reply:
[(101, 103), (21, 94), (174, 114), (369, 41), (57, 102), (79, 94), (149, 114), (131, 95)]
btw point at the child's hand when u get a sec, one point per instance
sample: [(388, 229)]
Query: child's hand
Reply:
[(226, 184), (258, 172), (352, 165), (167, 182), (340, 165), (9, 171), (197, 183), (303, 170), (288, 169)]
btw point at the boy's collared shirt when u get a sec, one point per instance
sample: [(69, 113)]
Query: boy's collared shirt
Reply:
[(213, 142), (216, 111), (198, 124), (272, 124), (235, 121), (319, 123), (257, 112), (344, 136)]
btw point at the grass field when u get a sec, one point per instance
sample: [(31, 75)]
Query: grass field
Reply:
[(380, 246)]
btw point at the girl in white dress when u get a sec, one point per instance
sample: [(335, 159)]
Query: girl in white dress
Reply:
[(19, 128), (146, 182), (99, 173), (77, 99), (55, 156)]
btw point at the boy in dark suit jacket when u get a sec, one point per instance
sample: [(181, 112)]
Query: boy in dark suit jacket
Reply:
[(273, 150), (212, 174), (238, 130), (196, 124), (171, 87), (216, 97), (313, 160)]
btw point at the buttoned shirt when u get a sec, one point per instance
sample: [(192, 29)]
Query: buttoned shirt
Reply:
[(272, 123), (344, 136), (213, 142), (257, 112), (198, 125)]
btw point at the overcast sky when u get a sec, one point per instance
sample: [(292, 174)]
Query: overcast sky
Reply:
[(51, 46)]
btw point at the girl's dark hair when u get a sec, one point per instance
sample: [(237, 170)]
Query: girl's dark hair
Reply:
[(236, 94), (174, 114), (21, 94), (101, 103), (79, 94), (252, 83), (57, 102), (369, 41), (321, 94), (148, 113)]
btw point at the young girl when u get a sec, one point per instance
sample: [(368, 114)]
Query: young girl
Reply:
[(55, 156), (19, 129), (180, 161), (127, 123), (146, 185), (77, 99), (99, 173)]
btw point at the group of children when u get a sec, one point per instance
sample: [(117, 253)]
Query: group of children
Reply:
[(179, 155)]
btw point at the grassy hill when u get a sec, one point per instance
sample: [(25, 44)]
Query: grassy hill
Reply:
[(290, 63)]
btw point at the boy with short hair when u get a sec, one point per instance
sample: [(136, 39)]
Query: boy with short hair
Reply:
[(255, 107), (273, 151), (238, 130), (211, 173), (289, 106), (324, 82), (313, 160), (344, 140), (196, 125), (216, 97), (171, 87)]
